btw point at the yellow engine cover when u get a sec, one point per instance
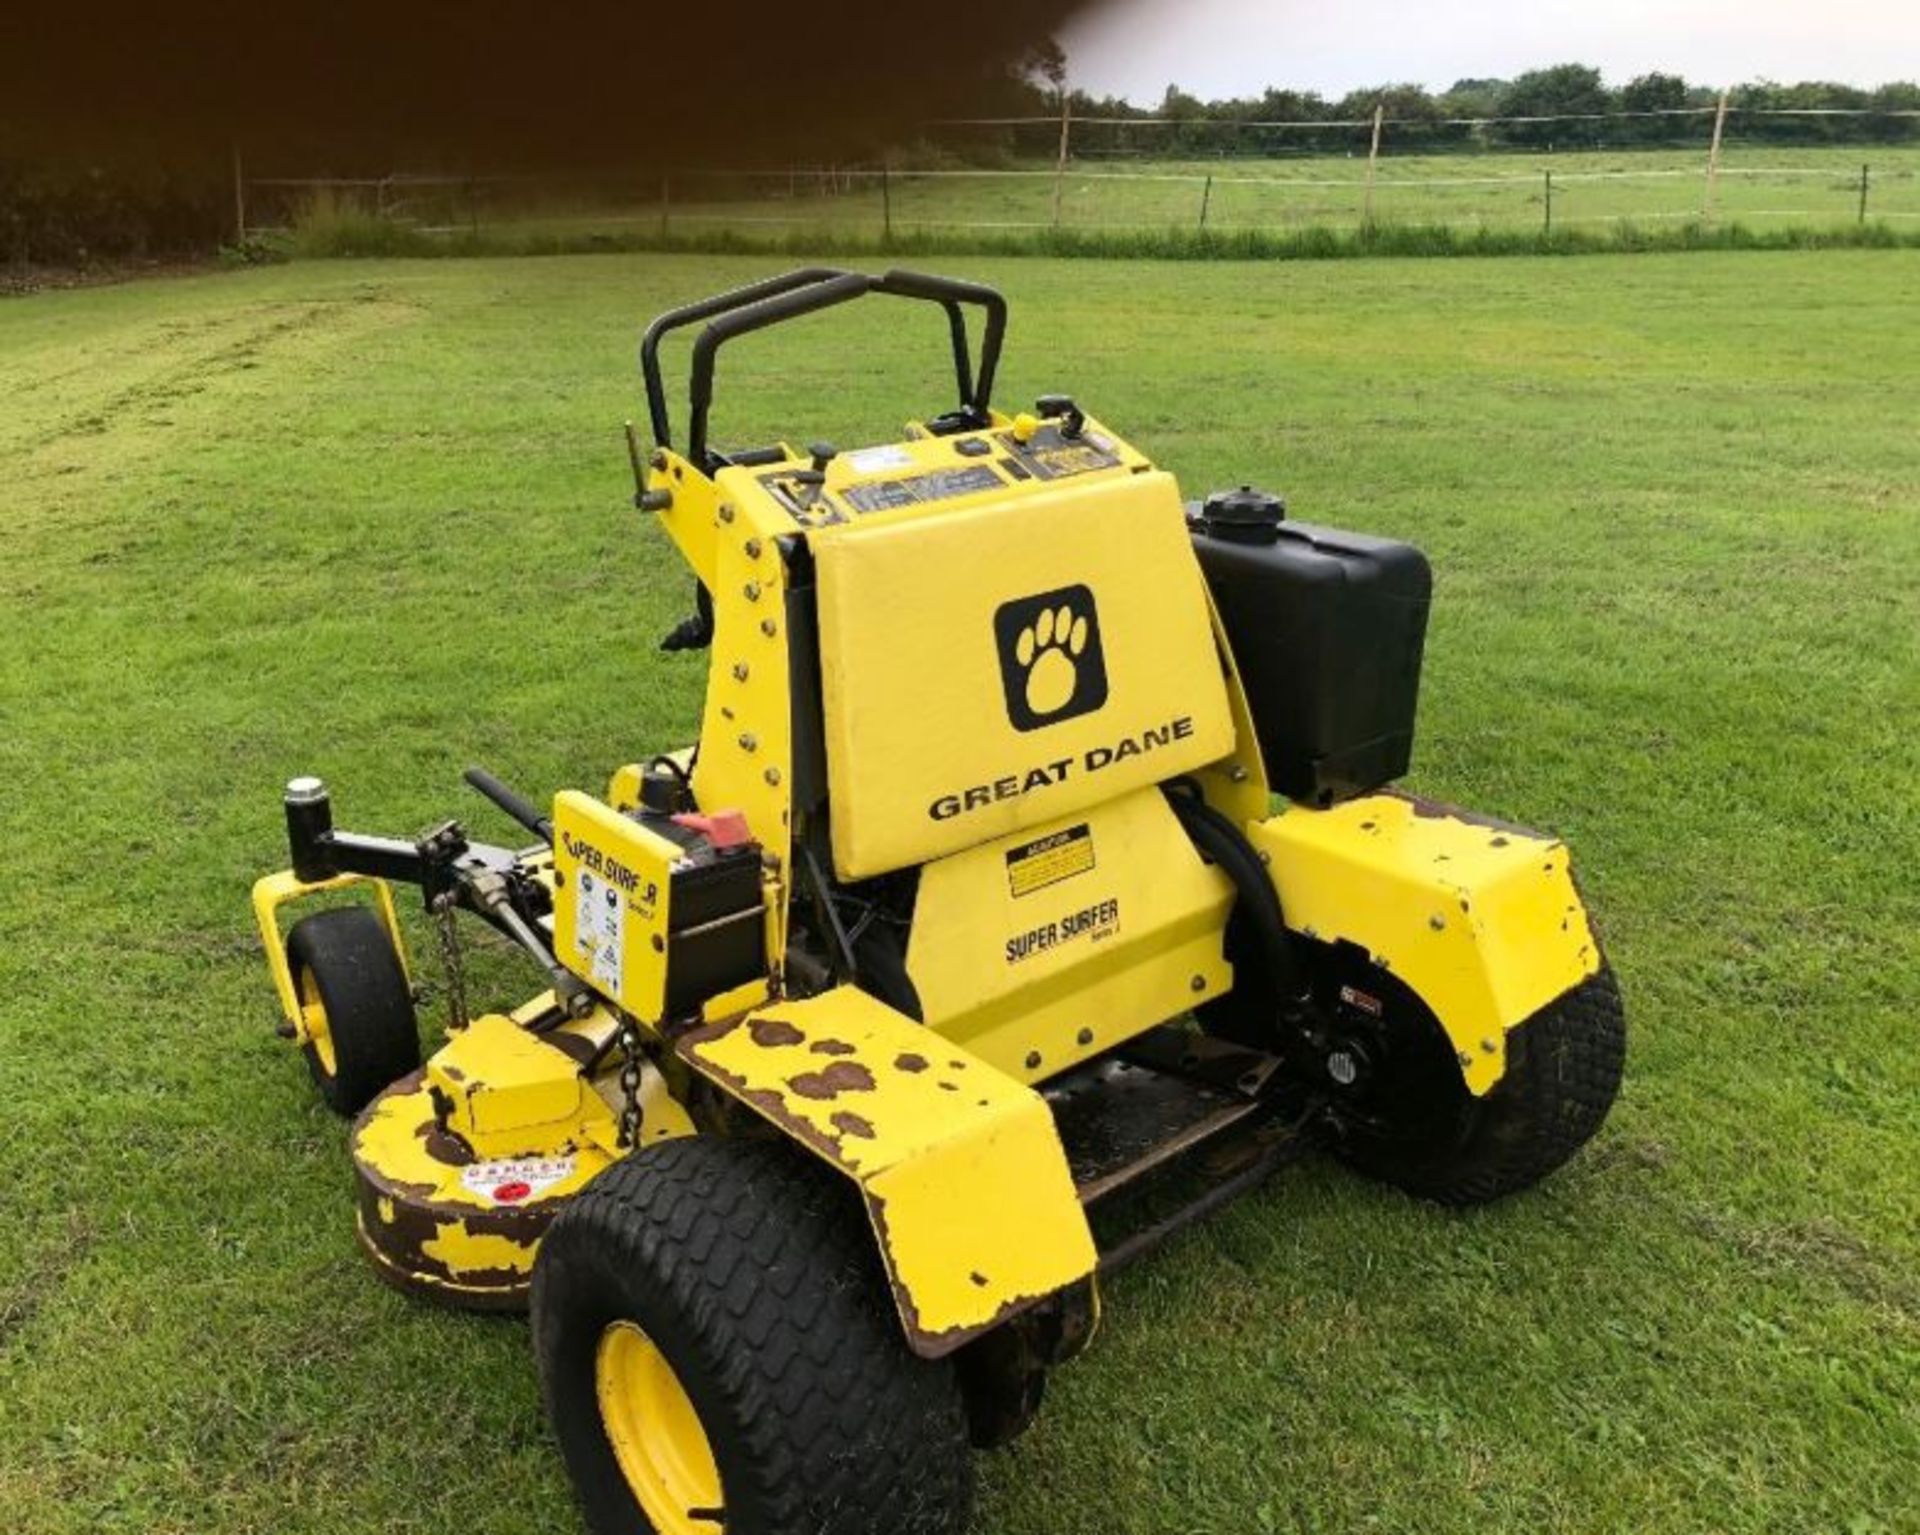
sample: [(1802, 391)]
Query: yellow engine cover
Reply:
[(1039, 950), (1000, 666)]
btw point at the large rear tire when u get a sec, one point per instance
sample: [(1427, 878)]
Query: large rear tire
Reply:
[(717, 1349), (1442, 1143)]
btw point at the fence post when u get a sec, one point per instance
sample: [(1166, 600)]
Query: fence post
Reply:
[(1373, 159), (1549, 202), (240, 200), (1713, 159), (1206, 196), (1863, 194), (1060, 165), (886, 204)]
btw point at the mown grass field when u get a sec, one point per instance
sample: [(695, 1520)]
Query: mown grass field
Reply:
[(371, 520), (1761, 187)]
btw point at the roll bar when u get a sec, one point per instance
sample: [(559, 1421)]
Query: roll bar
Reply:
[(787, 297)]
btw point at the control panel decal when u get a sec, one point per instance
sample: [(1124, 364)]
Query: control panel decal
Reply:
[(912, 490)]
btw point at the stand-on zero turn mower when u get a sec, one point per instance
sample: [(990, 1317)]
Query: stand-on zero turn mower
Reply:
[(963, 958)]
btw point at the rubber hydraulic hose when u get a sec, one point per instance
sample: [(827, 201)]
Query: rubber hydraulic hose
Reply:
[(1227, 846)]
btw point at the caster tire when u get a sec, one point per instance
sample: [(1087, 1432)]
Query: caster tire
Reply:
[(347, 977)]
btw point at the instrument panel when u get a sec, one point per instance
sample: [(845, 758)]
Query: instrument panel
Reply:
[(928, 471)]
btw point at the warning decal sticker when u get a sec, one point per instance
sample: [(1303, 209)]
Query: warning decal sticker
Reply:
[(516, 1180), (599, 929), (1050, 860)]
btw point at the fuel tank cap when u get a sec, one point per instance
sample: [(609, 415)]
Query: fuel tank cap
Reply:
[(1246, 515)]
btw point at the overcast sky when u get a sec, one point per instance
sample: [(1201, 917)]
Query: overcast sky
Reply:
[(1135, 48)]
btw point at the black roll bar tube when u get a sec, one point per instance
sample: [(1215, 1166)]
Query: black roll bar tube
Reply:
[(807, 291)]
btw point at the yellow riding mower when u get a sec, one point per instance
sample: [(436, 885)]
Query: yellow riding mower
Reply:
[(1032, 890)]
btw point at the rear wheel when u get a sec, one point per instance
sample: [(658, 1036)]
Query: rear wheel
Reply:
[(1410, 1120), (718, 1351), (355, 1005)]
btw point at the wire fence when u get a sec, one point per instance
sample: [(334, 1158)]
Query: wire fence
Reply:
[(1102, 174)]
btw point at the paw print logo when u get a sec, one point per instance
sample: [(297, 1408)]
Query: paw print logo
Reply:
[(1051, 664)]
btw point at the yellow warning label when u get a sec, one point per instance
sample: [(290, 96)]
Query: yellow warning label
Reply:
[(1051, 859)]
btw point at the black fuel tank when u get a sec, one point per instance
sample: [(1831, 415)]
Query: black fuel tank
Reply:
[(1328, 629)]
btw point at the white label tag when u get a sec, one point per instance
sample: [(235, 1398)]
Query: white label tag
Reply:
[(869, 459), (599, 929), (516, 1180)]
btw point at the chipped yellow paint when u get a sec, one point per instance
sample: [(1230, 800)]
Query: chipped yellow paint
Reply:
[(391, 1142), (512, 1093), (462, 1250), (964, 1177), (1482, 920)]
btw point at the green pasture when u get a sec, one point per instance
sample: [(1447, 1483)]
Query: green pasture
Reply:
[(1761, 187), (372, 520)]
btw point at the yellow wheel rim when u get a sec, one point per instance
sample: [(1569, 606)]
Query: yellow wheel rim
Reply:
[(313, 1021), (656, 1434)]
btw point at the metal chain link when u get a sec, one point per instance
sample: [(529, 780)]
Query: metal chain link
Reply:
[(446, 926), (629, 1082)]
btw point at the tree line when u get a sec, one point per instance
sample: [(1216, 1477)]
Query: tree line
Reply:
[(1644, 112)]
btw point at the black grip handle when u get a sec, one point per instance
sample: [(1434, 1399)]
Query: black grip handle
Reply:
[(806, 291), (521, 809), (706, 309)]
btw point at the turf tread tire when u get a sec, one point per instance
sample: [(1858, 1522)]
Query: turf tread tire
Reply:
[(752, 1268), (370, 1016), (1563, 1073)]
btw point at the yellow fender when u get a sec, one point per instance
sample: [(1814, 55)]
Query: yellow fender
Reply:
[(1479, 917), (964, 1178)]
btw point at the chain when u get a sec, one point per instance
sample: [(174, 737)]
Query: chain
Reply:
[(446, 925), (629, 1082)]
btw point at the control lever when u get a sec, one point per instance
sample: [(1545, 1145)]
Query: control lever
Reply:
[(513, 803), (1060, 407), (488, 891)]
